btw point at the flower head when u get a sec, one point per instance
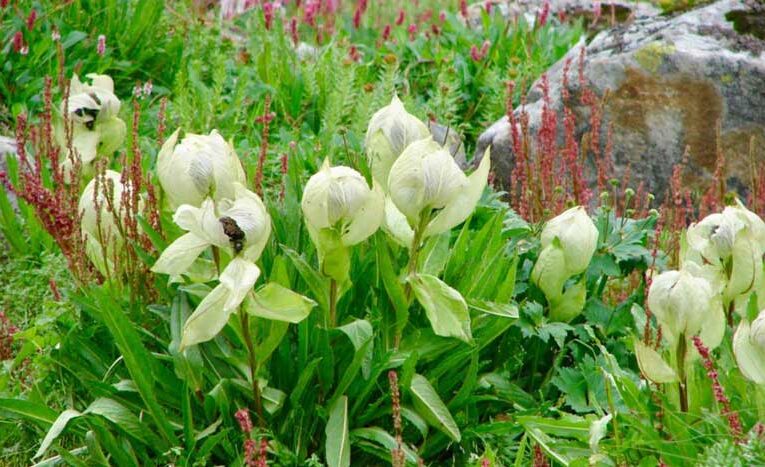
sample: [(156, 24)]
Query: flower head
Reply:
[(749, 348), (92, 109), (427, 187), (390, 131), (339, 197), (198, 167)]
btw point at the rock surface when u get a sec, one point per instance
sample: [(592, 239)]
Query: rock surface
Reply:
[(623, 10), (670, 80)]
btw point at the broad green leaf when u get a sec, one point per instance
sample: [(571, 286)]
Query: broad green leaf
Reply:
[(382, 438), (444, 306), (318, 284), (55, 430), (570, 304), (123, 418), (276, 302), (505, 310), (652, 365), (359, 332), (432, 408), (28, 410), (338, 445)]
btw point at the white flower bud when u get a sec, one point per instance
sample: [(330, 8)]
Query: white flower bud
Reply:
[(390, 131), (339, 197), (578, 238), (198, 167), (681, 303)]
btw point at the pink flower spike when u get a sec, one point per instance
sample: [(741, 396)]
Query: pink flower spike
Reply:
[(386, 32), (31, 19), (400, 18), (412, 30), (18, 41), (101, 48)]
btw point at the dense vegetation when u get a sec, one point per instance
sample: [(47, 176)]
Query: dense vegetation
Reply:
[(226, 241)]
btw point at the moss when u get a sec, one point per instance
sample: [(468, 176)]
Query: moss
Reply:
[(652, 55)]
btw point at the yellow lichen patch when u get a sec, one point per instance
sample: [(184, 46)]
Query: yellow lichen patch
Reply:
[(652, 55)]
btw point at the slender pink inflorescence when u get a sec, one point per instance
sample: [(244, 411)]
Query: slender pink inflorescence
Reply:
[(400, 18), (544, 14), (539, 457), (268, 14), (7, 330), (464, 9), (734, 422), (31, 19), (265, 120), (101, 47), (397, 455)]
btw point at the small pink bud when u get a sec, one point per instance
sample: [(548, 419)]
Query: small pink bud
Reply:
[(386, 32)]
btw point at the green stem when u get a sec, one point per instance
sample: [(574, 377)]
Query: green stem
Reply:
[(411, 268), (245, 322), (681, 385), (332, 303), (612, 408)]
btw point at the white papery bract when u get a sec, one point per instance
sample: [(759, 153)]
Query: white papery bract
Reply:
[(198, 167), (101, 207), (426, 181), (339, 198), (92, 111), (686, 305), (568, 242), (749, 348), (733, 243), (241, 227), (389, 132)]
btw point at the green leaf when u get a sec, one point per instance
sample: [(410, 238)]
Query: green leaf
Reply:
[(338, 445), (318, 284), (276, 302), (505, 310), (28, 410), (137, 359), (444, 306), (55, 430), (123, 418), (570, 304), (652, 365), (382, 438), (392, 285), (359, 332), (432, 408)]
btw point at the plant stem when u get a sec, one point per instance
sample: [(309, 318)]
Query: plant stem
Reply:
[(245, 322), (681, 385), (332, 302), (411, 268)]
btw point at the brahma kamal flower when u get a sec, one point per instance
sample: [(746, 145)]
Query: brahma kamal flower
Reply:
[(390, 131), (733, 242), (428, 192), (340, 208), (197, 168), (686, 305), (749, 348), (239, 227), (101, 209), (568, 243), (92, 110)]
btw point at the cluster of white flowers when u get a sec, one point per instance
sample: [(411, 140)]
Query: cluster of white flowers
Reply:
[(721, 271)]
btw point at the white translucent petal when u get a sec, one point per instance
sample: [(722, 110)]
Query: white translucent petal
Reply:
[(239, 277), (208, 319), (367, 219), (178, 257), (464, 203)]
